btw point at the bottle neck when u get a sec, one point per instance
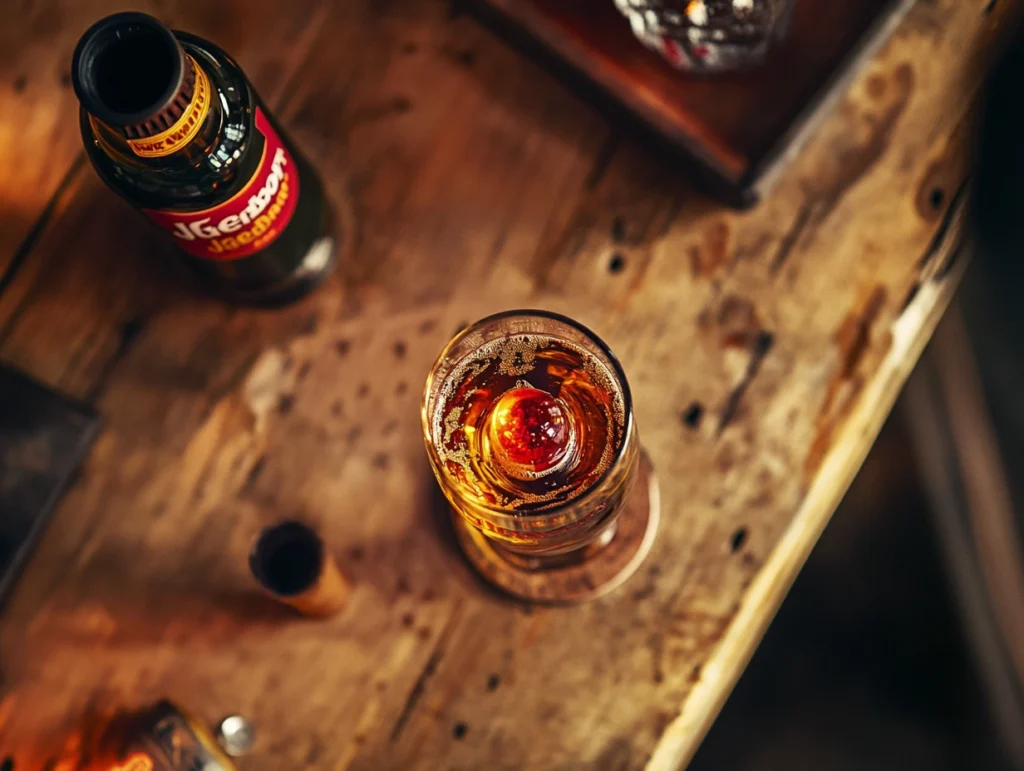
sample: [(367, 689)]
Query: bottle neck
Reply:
[(176, 140)]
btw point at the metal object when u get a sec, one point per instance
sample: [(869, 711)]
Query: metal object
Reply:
[(235, 735)]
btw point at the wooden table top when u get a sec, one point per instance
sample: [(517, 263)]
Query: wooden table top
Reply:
[(475, 183)]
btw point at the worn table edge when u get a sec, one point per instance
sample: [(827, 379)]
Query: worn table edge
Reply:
[(911, 332)]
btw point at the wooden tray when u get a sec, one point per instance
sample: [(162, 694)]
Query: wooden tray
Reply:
[(736, 130)]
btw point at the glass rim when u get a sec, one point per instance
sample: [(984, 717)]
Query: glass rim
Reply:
[(618, 372)]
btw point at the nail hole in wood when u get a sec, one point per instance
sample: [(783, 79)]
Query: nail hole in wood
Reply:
[(131, 329), (693, 414), (990, 7), (936, 198), (459, 731), (617, 263), (764, 342), (738, 539)]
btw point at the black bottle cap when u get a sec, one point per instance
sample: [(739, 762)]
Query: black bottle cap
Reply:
[(130, 71)]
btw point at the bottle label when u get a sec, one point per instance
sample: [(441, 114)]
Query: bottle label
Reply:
[(185, 128), (250, 220)]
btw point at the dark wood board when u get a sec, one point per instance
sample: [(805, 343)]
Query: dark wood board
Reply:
[(736, 130), (43, 438)]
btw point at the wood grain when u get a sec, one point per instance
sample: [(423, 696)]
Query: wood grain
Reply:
[(763, 350)]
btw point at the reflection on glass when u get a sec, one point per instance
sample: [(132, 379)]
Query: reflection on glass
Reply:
[(529, 428), (709, 35)]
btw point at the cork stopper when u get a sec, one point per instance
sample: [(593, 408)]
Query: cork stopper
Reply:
[(292, 564), (130, 71)]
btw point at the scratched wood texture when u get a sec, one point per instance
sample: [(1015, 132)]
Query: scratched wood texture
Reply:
[(764, 350)]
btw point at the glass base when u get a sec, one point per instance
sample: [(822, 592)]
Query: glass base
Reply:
[(559, 581)]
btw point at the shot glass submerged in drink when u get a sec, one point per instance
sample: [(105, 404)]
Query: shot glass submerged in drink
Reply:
[(528, 423)]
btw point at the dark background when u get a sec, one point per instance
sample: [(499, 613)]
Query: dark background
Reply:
[(866, 665)]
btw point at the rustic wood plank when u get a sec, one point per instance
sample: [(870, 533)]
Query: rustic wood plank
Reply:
[(476, 184)]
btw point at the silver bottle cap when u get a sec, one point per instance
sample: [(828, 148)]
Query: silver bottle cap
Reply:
[(235, 735)]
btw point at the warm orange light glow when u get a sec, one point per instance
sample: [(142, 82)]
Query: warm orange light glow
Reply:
[(137, 762)]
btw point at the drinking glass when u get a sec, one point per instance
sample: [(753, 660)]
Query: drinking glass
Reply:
[(528, 424), (709, 35)]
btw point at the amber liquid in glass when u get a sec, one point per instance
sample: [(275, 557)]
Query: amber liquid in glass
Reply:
[(529, 423)]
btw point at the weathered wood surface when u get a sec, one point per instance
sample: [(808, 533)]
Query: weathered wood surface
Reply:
[(476, 183)]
